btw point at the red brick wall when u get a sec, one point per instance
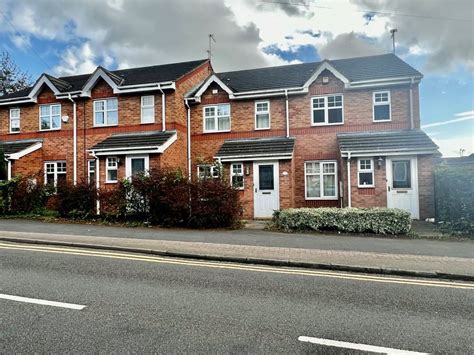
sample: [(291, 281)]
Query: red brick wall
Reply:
[(426, 185)]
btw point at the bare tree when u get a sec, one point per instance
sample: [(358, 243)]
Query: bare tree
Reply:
[(12, 78)]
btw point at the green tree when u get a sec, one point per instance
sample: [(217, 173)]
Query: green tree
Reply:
[(12, 78)]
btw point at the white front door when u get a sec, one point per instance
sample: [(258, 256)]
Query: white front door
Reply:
[(266, 188), (402, 184), (136, 164)]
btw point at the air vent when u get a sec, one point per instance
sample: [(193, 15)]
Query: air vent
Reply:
[(215, 91), (325, 79)]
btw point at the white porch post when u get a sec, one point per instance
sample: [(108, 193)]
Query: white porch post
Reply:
[(349, 189), (97, 182), (9, 169)]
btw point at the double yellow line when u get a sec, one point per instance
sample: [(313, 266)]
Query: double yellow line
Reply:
[(241, 267)]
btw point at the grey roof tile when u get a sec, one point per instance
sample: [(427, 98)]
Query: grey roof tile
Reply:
[(256, 147), (153, 139), (13, 147), (386, 141)]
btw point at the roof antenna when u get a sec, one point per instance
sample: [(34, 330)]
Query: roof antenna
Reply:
[(393, 31), (209, 51)]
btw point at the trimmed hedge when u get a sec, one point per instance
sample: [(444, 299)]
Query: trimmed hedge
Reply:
[(348, 220)]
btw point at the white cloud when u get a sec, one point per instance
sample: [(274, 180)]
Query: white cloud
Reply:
[(465, 113), (450, 147), (77, 60), (21, 41)]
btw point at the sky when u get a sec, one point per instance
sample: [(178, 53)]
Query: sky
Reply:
[(67, 37)]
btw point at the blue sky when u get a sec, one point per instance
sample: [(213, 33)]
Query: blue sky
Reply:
[(74, 37)]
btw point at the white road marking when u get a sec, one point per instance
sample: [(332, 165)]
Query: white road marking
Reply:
[(355, 346), (42, 302)]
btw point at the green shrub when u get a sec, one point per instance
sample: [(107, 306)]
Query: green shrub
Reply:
[(454, 191), (77, 202), (348, 220)]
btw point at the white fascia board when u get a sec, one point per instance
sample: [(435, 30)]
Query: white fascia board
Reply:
[(270, 94), (41, 81), (170, 141), (387, 79), (213, 79), (367, 153), (164, 85), (18, 101), (135, 150), (380, 84), (22, 153), (144, 88), (148, 150), (267, 91), (98, 73), (323, 66)]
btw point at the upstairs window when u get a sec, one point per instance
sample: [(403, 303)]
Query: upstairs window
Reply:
[(262, 115), (207, 171), (111, 167), (381, 106), (148, 109), (365, 171), (217, 118), (327, 110), (106, 112), (50, 117), (55, 173), (321, 180), (14, 120), (237, 175)]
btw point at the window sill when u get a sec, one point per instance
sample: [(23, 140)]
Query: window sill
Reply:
[(147, 122), (366, 186), (49, 130), (321, 198), (381, 121), (326, 124), (263, 129), (18, 132), (105, 125), (112, 182)]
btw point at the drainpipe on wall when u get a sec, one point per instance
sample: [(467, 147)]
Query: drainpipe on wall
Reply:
[(188, 137), (9, 169), (163, 108), (412, 124), (287, 115), (74, 139), (349, 188)]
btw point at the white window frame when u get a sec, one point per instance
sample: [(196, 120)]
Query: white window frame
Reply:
[(214, 171), (18, 118), (321, 179), (105, 111), (267, 112), (90, 170), (216, 119), (108, 168), (50, 117), (232, 174), (55, 172), (128, 164), (360, 170), (143, 106), (389, 103), (326, 110)]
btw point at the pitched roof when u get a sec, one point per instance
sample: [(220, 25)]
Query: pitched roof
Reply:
[(411, 140), (152, 139), (468, 160), (296, 75), (132, 76), (256, 147), (17, 146)]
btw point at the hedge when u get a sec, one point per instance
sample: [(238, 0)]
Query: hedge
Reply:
[(454, 191), (348, 220)]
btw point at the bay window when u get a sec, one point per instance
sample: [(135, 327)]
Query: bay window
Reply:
[(106, 112), (262, 115), (237, 175), (327, 110), (381, 102), (365, 172), (216, 118), (14, 120), (50, 117), (321, 180)]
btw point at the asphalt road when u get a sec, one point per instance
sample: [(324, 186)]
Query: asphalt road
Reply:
[(461, 249), (144, 304)]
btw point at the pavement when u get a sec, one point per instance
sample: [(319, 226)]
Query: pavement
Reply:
[(148, 304), (410, 257)]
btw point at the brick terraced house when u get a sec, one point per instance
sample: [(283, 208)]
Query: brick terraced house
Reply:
[(333, 133)]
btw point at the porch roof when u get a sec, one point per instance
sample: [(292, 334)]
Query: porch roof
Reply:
[(410, 141), (256, 149), (131, 143), (17, 149)]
